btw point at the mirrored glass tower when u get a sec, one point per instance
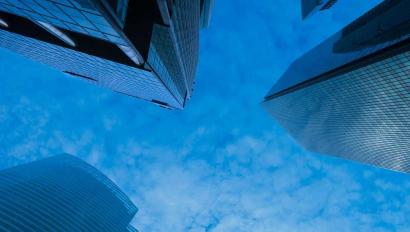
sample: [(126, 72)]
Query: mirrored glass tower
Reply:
[(350, 96), (62, 193), (145, 49)]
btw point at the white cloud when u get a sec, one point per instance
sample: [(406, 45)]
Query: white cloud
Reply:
[(305, 192), (222, 164)]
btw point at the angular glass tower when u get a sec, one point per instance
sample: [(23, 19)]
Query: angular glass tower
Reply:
[(350, 96), (310, 7), (146, 49), (62, 193)]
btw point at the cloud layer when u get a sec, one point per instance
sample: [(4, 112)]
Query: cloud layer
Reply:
[(222, 164)]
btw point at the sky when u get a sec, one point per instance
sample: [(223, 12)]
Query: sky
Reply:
[(222, 164)]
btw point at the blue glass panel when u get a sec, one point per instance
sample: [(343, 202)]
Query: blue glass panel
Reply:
[(62, 193)]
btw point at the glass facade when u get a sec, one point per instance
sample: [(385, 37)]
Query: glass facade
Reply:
[(116, 76), (164, 58), (353, 103), (82, 16), (206, 8), (163, 52), (62, 193), (186, 19), (174, 48)]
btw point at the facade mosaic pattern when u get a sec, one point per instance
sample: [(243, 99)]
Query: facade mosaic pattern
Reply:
[(163, 75), (79, 16), (62, 193), (363, 115), (118, 77), (350, 96)]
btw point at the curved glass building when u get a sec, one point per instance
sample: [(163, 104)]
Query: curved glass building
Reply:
[(146, 49), (350, 95), (62, 193)]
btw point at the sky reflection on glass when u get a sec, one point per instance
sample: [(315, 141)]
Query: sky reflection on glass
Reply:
[(222, 164)]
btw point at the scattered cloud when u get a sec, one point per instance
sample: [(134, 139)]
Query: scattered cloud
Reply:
[(222, 164)]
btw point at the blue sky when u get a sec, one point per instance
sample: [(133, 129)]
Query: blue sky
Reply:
[(222, 164)]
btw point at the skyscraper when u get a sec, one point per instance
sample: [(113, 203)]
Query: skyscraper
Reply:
[(350, 96), (146, 49), (309, 7), (62, 193)]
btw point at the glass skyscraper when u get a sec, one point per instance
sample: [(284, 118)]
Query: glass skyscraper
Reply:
[(146, 49), (350, 96), (62, 193), (309, 7)]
